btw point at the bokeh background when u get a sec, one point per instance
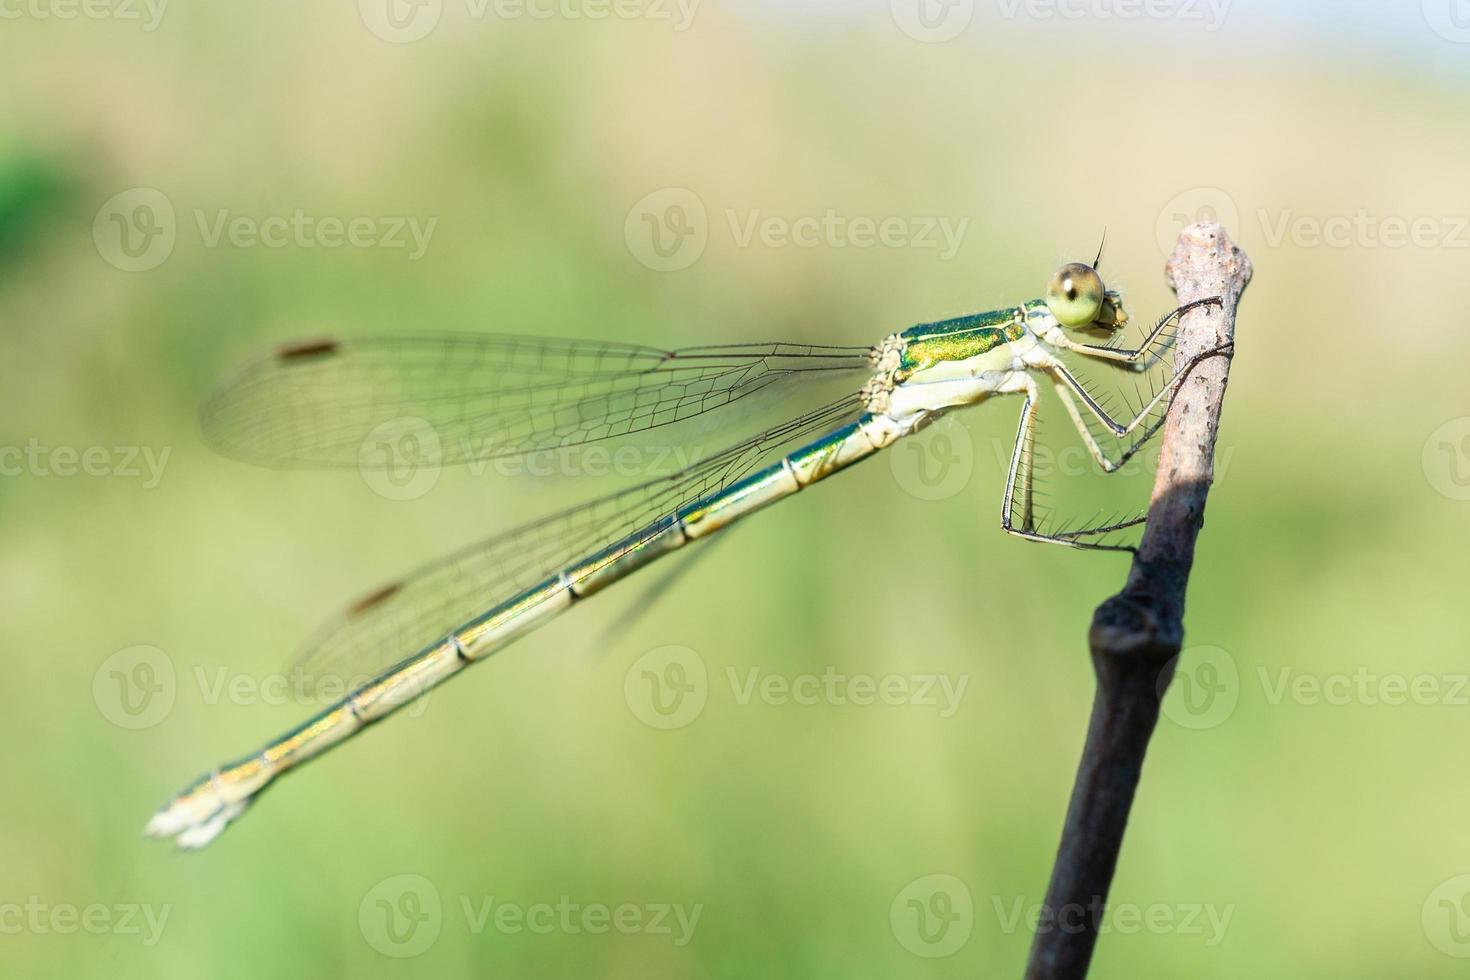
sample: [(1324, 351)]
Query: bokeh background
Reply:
[(1302, 811)]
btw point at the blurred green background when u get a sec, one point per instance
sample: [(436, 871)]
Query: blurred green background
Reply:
[(1302, 811)]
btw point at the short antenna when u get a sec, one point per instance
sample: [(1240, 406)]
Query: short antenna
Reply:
[(1097, 261)]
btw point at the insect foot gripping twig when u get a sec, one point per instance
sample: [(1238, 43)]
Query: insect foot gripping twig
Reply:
[(1138, 633)]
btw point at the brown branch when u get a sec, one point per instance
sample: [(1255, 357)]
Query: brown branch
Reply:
[(1138, 632)]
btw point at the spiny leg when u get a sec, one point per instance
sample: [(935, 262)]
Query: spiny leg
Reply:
[(1099, 455), (1020, 472), (1061, 374), (1064, 383), (1157, 350), (1133, 355), (1020, 469)]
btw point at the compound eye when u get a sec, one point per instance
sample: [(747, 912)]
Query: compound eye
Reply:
[(1075, 296)]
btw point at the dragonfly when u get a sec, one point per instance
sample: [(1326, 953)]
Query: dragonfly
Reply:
[(489, 396)]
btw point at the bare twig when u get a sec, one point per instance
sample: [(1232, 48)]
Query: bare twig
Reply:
[(1138, 632)]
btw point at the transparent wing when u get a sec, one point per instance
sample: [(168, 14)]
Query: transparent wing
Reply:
[(402, 618), (483, 396)]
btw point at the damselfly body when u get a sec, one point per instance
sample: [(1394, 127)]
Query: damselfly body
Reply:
[(490, 396)]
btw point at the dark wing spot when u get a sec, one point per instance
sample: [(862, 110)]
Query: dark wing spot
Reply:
[(307, 348), (369, 601)]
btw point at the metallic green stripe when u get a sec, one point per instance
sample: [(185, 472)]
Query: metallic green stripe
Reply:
[(748, 495), (959, 339), (312, 737), (407, 681), (828, 454), (800, 468), (960, 324), (625, 557), (490, 631)]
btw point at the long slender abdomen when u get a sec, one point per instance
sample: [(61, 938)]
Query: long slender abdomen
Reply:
[(198, 814)]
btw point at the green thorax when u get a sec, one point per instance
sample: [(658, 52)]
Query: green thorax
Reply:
[(959, 339)]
